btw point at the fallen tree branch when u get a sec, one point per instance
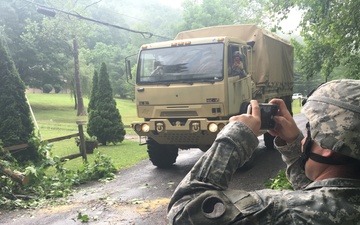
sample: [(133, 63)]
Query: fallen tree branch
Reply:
[(27, 197), (16, 176), (69, 157)]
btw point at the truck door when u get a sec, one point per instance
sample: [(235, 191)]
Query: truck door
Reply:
[(238, 81)]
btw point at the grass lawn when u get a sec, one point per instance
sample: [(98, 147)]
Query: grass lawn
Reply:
[(296, 106), (55, 116)]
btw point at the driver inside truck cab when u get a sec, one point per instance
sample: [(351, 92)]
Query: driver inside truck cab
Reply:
[(158, 69), (237, 67)]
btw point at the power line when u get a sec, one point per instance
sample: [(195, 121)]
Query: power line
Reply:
[(50, 11)]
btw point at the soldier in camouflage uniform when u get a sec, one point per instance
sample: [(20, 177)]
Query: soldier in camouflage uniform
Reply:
[(323, 167)]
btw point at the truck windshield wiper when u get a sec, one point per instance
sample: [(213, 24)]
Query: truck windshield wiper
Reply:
[(205, 81), (166, 83), (186, 82), (190, 82)]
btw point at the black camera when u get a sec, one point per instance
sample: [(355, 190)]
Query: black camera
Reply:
[(267, 112)]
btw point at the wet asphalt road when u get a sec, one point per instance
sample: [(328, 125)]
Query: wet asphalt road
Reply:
[(140, 194)]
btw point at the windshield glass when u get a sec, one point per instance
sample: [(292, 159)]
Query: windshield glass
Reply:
[(192, 63)]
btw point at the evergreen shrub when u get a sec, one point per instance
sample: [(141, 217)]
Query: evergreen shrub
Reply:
[(57, 88), (16, 126), (47, 88), (104, 118)]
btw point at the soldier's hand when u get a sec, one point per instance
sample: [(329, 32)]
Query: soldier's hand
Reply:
[(253, 120), (286, 127)]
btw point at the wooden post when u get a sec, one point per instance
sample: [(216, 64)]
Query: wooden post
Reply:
[(80, 124)]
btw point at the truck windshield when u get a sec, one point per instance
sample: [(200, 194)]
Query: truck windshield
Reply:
[(188, 64)]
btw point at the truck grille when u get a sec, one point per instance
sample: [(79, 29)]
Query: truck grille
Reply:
[(178, 113)]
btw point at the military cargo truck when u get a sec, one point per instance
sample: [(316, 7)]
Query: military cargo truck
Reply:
[(187, 89)]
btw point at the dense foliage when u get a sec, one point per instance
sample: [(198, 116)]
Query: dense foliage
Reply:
[(38, 187), (47, 88), (104, 118), (331, 35), (43, 50), (57, 88), (16, 126), (43, 46), (198, 14), (94, 90)]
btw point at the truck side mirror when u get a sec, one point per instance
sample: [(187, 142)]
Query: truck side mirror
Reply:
[(251, 43), (128, 69)]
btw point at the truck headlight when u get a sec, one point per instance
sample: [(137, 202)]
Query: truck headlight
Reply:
[(213, 127), (137, 127), (145, 127), (221, 126)]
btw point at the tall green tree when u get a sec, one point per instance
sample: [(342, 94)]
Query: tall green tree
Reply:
[(331, 34), (12, 17), (67, 30), (105, 120), (198, 14), (94, 91), (42, 47), (16, 126)]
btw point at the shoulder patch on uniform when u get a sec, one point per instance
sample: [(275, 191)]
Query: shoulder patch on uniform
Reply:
[(243, 201)]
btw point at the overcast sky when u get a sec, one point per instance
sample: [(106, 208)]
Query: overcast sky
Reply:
[(289, 24), (292, 22), (173, 3)]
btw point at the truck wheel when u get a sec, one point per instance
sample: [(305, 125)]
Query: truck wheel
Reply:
[(269, 141), (204, 148), (162, 156), (243, 107)]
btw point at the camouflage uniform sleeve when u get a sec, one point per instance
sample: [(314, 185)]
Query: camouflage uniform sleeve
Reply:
[(212, 173), (291, 156)]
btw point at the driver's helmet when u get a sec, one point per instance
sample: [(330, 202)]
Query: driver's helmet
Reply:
[(236, 54), (333, 111)]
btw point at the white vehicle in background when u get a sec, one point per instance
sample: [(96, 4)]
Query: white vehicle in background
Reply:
[(297, 96)]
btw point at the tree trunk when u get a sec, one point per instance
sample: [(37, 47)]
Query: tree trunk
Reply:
[(80, 102), (75, 100)]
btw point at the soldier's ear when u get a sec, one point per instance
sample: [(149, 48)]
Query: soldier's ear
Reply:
[(322, 151), (327, 152)]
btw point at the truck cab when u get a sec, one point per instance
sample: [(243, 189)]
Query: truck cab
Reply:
[(188, 88)]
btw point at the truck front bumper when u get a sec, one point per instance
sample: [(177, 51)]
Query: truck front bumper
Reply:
[(193, 132)]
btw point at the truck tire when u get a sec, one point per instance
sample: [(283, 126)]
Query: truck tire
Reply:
[(243, 107), (204, 148), (269, 141), (162, 156)]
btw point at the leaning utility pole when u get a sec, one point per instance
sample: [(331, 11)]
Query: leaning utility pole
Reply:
[(80, 102)]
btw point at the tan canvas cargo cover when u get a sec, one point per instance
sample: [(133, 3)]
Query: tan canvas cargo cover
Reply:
[(273, 56)]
